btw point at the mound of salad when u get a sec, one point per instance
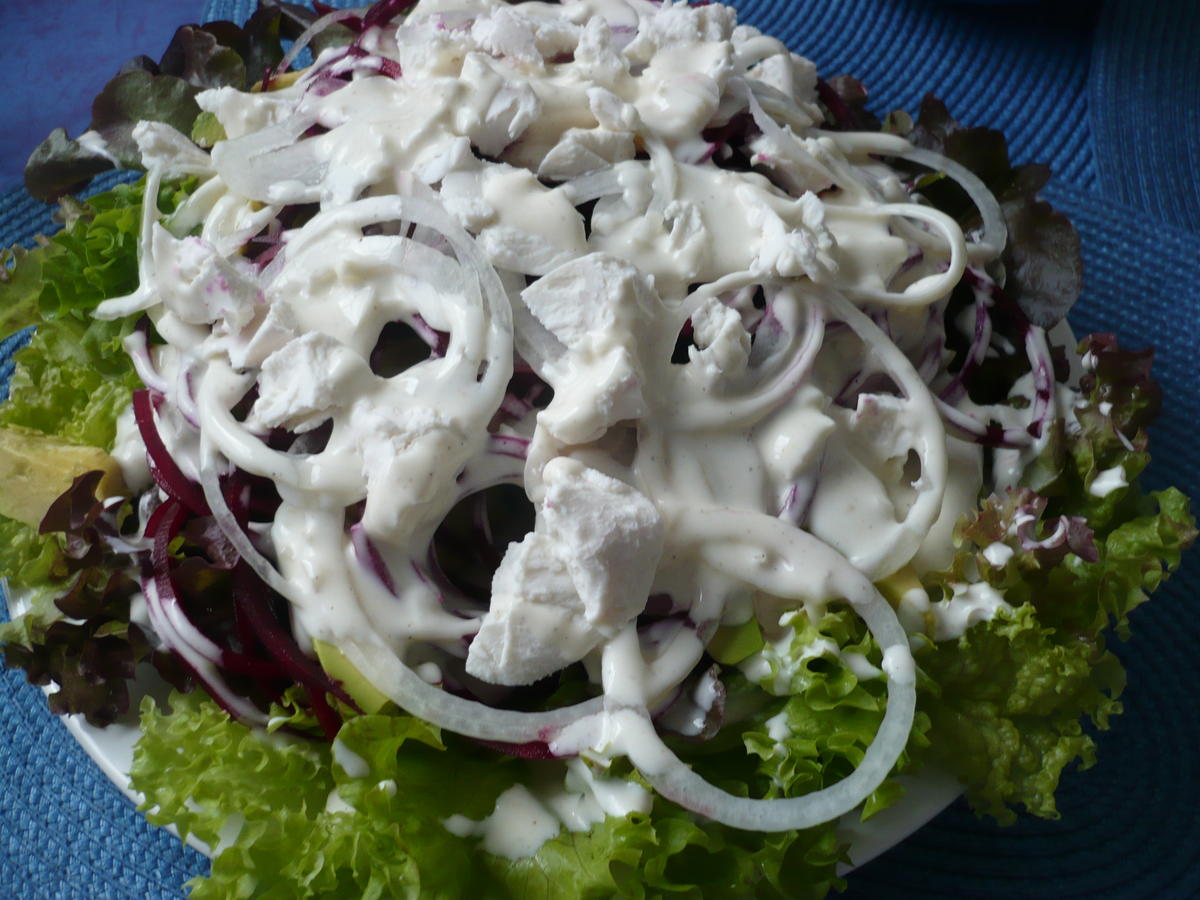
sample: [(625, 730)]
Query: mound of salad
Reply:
[(560, 450)]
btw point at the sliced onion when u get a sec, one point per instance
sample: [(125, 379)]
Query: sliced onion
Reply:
[(137, 346), (145, 296), (982, 433), (200, 655), (484, 289), (305, 38), (926, 290), (995, 232), (509, 445), (791, 550), (744, 412), (324, 472), (980, 339), (252, 605), (408, 690), (273, 165), (1043, 380), (814, 175), (369, 557), (232, 529)]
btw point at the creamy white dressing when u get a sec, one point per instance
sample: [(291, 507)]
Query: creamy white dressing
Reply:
[(796, 456), (998, 553), (968, 605), (524, 819), (1107, 481)]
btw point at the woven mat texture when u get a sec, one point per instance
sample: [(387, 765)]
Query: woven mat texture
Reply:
[(1107, 93)]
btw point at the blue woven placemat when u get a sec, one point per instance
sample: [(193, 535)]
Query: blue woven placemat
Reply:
[(1109, 95)]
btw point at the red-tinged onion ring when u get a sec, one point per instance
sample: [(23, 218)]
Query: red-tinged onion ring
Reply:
[(298, 45), (197, 653), (253, 605), (719, 532), (232, 529)]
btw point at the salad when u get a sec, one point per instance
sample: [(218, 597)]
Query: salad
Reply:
[(560, 449)]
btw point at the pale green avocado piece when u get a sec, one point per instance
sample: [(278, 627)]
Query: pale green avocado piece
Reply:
[(899, 583), (335, 664), (733, 643), (35, 469)]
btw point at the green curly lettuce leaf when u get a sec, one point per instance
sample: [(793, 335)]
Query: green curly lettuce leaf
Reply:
[(1006, 714), (1072, 563), (364, 818), (832, 710), (73, 379), (1010, 694), (58, 388), (71, 382)]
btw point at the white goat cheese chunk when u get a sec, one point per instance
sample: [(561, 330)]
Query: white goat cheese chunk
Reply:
[(410, 457), (169, 150), (500, 109), (722, 344), (271, 328), (200, 286), (610, 536), (671, 26), (584, 150), (592, 307), (584, 571), (242, 113), (304, 379), (535, 625), (596, 55), (507, 34)]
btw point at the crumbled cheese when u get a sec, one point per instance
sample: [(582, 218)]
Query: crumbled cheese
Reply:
[(288, 394)]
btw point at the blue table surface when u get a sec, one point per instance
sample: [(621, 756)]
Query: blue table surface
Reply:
[(56, 56), (1109, 94)]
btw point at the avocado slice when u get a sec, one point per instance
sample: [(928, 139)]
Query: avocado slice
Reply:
[(335, 664), (734, 643), (899, 583), (36, 469)]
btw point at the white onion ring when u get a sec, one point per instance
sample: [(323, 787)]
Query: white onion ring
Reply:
[(196, 651), (792, 548), (995, 232), (229, 526), (408, 690), (744, 412), (330, 18), (930, 288), (145, 296)]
